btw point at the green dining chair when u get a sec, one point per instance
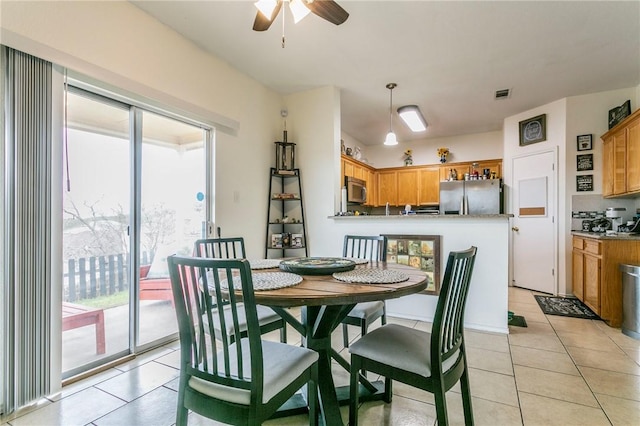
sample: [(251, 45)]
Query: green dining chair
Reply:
[(235, 381), (434, 361), (233, 248), (372, 248)]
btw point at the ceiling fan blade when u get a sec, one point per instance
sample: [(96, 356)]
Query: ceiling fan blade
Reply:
[(329, 10), (261, 23)]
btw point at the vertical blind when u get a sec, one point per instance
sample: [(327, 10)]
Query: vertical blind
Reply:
[(26, 230)]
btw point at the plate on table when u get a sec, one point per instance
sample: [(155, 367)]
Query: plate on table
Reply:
[(317, 265)]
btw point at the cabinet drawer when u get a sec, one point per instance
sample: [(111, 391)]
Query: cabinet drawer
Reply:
[(578, 243), (593, 247)]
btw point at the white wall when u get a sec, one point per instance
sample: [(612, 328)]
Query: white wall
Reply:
[(566, 119), (478, 146), (315, 128), (117, 43)]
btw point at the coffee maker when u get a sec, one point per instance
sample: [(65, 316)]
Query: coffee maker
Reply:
[(615, 215)]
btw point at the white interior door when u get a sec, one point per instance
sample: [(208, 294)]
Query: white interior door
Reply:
[(534, 236)]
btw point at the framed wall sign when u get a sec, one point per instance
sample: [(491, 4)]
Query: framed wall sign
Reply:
[(419, 251), (585, 143), (533, 130), (584, 183), (618, 114), (584, 162)]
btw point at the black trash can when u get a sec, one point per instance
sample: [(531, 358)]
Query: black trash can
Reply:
[(630, 300)]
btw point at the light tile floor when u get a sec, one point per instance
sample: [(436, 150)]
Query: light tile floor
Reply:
[(557, 371)]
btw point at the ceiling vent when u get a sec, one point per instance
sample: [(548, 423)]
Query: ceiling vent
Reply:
[(503, 94)]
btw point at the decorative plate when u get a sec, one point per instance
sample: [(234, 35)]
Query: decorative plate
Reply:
[(371, 276), (266, 281), (317, 265), (264, 263)]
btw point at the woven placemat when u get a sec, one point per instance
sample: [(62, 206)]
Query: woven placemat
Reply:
[(371, 276), (264, 263), (357, 260), (267, 281)]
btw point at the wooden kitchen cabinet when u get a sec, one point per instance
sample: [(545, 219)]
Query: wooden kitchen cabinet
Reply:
[(408, 187), (429, 186), (355, 169), (621, 158), (387, 187), (597, 280)]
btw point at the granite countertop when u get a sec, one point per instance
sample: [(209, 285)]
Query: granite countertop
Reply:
[(425, 216), (604, 236)]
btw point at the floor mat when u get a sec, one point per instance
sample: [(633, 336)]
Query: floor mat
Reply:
[(564, 306), (518, 321)]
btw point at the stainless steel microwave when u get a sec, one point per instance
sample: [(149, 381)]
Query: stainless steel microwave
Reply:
[(356, 190)]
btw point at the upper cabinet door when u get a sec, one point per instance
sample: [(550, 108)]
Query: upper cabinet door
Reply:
[(407, 187), (607, 166), (387, 188), (429, 186), (633, 156), (619, 162)]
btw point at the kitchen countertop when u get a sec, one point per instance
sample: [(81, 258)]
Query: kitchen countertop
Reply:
[(425, 216), (604, 236)]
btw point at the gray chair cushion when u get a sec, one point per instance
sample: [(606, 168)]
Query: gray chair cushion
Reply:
[(400, 347), (282, 364), (366, 309)]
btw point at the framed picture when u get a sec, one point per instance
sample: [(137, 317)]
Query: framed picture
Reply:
[(584, 162), (585, 143), (533, 130), (618, 114), (418, 251), (584, 183)]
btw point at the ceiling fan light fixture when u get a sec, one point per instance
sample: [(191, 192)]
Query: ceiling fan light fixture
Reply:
[(266, 7), (391, 137), (299, 10), (413, 118)]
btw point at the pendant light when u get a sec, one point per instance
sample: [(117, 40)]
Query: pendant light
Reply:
[(391, 137)]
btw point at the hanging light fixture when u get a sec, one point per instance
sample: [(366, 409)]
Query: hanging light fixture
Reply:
[(391, 137), (413, 118)]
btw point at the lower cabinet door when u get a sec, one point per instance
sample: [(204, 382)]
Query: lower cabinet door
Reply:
[(592, 269), (578, 275)]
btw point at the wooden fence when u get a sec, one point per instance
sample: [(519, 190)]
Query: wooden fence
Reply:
[(95, 276)]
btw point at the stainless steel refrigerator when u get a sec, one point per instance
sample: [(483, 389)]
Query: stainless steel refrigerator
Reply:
[(471, 197)]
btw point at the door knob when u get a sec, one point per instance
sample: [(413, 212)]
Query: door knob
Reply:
[(515, 228)]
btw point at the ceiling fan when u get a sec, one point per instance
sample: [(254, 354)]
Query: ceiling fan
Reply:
[(326, 9)]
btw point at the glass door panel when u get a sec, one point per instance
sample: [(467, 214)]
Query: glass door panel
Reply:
[(96, 210), (173, 214)]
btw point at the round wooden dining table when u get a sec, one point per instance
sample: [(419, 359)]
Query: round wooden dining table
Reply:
[(325, 302)]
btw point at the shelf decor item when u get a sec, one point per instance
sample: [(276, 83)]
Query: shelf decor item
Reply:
[(585, 143), (619, 113), (285, 156), (442, 153), (533, 130)]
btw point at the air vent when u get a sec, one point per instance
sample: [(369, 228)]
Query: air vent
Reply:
[(503, 94)]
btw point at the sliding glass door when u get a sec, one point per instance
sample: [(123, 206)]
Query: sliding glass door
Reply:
[(173, 214), (96, 223), (135, 191)]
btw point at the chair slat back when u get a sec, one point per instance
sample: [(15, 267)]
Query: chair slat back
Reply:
[(373, 247), (448, 323), (220, 248), (199, 285)]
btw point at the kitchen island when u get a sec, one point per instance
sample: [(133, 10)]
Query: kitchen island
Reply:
[(487, 307)]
